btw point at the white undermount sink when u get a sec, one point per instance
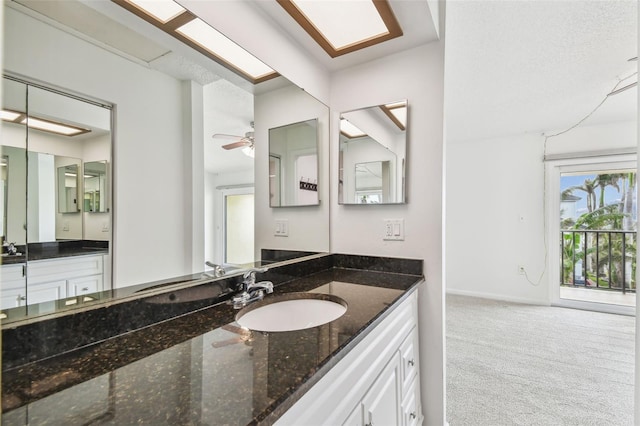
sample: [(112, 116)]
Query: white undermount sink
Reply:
[(293, 311)]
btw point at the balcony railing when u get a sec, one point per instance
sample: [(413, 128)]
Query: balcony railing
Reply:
[(601, 259)]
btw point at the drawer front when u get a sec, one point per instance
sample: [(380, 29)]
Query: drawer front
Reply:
[(84, 285), (12, 298), (409, 354), (12, 273), (62, 269), (411, 406)]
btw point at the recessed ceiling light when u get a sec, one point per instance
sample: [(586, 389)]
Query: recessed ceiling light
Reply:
[(213, 41), (350, 130), (162, 10), (341, 27)]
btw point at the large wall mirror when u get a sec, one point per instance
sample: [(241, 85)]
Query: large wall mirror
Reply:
[(293, 164), (48, 138), (165, 97), (372, 161)]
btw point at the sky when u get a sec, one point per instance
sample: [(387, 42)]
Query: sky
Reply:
[(610, 195)]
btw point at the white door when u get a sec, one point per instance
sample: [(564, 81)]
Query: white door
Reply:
[(236, 236)]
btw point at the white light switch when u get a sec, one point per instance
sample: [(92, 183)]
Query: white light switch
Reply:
[(282, 228), (393, 230)]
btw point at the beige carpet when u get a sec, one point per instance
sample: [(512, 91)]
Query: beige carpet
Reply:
[(515, 364)]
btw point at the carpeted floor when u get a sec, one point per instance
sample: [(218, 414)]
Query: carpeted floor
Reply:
[(516, 364)]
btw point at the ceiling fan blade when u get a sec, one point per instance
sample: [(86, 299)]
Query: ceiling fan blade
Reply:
[(238, 144), (225, 136)]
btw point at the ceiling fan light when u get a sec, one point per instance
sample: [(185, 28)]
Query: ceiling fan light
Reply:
[(249, 151)]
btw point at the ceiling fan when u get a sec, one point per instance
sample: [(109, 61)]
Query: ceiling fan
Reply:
[(245, 142)]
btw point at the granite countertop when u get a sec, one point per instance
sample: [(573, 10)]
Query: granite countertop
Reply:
[(56, 249), (201, 368)]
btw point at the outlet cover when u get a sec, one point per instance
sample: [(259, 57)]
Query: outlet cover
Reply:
[(393, 230)]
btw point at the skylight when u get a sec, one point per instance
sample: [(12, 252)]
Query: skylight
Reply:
[(341, 27), (162, 10), (178, 22), (209, 38), (350, 130)]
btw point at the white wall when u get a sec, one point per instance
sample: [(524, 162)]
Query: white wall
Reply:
[(495, 209), (148, 169), (495, 214), (308, 225), (415, 75)]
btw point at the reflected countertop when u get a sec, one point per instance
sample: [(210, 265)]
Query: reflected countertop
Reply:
[(201, 368)]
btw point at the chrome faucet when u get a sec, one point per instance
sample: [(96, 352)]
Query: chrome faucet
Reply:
[(250, 289), (218, 270)]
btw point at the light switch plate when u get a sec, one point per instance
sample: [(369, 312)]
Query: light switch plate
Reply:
[(281, 228), (393, 230)]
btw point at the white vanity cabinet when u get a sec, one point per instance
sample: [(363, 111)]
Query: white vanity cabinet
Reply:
[(376, 383), (64, 277)]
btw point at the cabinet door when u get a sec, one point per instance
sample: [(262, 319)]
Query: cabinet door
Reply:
[(382, 401), (13, 286), (84, 285), (355, 418), (46, 292), (12, 298)]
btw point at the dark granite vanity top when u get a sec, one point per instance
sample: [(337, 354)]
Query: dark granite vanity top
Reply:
[(200, 367), (57, 249)]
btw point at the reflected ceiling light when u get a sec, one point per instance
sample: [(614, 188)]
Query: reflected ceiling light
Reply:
[(53, 127), (8, 115), (350, 130), (341, 27), (207, 37), (178, 22), (41, 124), (162, 10), (397, 112)]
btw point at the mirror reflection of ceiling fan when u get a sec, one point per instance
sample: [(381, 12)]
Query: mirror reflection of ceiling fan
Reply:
[(245, 142)]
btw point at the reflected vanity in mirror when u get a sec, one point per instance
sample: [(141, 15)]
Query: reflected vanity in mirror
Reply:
[(372, 159), (293, 164)]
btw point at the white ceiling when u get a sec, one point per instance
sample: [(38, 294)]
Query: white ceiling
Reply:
[(511, 67), (534, 66)]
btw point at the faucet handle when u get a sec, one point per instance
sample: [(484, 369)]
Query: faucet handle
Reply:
[(251, 273)]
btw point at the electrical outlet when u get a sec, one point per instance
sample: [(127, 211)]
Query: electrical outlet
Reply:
[(521, 270), (393, 230)]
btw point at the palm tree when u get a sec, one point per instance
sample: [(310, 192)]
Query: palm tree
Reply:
[(607, 179), (589, 186), (627, 200)]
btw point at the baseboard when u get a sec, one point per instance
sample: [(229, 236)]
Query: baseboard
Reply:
[(494, 296), (596, 307)]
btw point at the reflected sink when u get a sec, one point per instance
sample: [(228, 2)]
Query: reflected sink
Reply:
[(293, 311)]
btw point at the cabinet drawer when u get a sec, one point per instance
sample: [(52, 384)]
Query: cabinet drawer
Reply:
[(84, 285), (62, 269), (411, 406), (12, 275), (409, 354)]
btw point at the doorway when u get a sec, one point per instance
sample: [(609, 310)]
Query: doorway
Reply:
[(237, 225), (592, 233)]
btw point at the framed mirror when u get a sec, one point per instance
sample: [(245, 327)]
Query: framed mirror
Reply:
[(293, 164), (372, 159), (95, 187), (68, 189)]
